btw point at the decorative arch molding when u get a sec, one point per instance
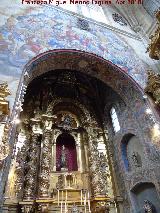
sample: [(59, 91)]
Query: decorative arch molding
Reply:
[(83, 111), (86, 63)]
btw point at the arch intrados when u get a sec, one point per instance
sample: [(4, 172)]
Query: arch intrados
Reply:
[(83, 62), (126, 138), (64, 135), (137, 185)]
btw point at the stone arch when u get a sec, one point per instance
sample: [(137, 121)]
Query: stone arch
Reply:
[(145, 191), (83, 62)]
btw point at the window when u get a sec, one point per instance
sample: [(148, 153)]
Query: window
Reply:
[(115, 121)]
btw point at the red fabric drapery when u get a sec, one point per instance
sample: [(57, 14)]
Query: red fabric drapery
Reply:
[(70, 152)]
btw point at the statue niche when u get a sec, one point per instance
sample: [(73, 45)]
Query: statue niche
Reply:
[(66, 155)]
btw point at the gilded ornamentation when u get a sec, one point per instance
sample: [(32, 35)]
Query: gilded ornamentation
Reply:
[(154, 46), (4, 105), (101, 207), (60, 183), (4, 91), (98, 165), (31, 168), (4, 111), (153, 86), (45, 165), (20, 166), (4, 151)]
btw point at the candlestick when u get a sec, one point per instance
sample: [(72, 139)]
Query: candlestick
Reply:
[(81, 196), (85, 209), (85, 198), (62, 195), (89, 205), (58, 197), (66, 195), (61, 206)]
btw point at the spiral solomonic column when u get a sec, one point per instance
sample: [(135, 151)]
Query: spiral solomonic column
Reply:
[(31, 165), (45, 164)]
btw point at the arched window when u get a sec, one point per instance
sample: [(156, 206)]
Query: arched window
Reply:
[(115, 121)]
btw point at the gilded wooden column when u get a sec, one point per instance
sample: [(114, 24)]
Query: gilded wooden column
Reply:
[(45, 164), (54, 156), (79, 162), (31, 168), (20, 168), (98, 166), (46, 153)]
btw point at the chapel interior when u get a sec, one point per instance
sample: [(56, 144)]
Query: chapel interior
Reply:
[(80, 106)]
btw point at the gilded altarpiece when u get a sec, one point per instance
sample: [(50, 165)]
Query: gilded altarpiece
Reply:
[(60, 159)]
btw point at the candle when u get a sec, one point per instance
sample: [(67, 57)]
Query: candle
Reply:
[(85, 208), (65, 207), (85, 199), (58, 197), (66, 195), (61, 206), (62, 195), (81, 197), (89, 205)]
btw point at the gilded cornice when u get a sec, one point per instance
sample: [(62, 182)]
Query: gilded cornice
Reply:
[(154, 46), (153, 86)]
